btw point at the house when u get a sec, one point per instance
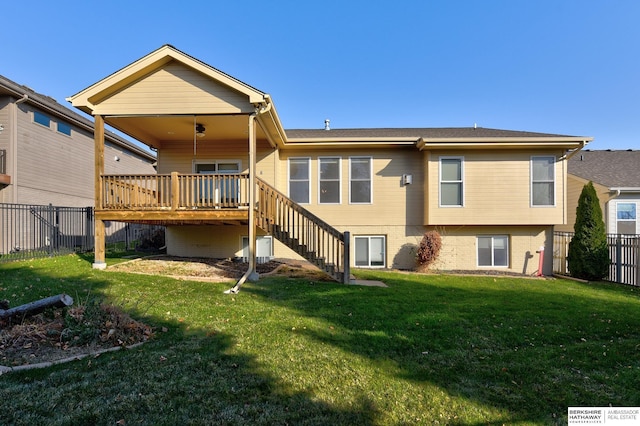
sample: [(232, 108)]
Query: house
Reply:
[(615, 175), (46, 151), (46, 174), (232, 182)]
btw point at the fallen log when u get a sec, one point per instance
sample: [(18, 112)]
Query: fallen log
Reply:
[(33, 308)]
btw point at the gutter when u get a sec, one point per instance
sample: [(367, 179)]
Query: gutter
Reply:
[(619, 190), (575, 151)]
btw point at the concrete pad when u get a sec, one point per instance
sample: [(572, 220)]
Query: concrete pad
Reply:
[(368, 283)]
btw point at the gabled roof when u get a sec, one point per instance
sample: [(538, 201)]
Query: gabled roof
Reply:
[(124, 96), (170, 85), (51, 106), (155, 60), (613, 169)]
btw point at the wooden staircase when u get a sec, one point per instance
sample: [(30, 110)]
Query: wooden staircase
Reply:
[(303, 232)]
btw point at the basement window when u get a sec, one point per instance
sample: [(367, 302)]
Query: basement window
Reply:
[(370, 251), (493, 250)]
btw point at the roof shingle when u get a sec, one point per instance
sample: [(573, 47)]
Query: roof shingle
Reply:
[(613, 169), (426, 133)]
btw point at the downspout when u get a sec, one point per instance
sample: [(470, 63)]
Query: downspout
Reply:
[(13, 144), (251, 269)]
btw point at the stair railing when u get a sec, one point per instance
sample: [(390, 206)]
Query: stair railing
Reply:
[(302, 231)]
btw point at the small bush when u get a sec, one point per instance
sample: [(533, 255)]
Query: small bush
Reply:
[(429, 249)]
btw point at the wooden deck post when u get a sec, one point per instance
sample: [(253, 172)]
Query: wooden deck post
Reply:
[(99, 233), (175, 191)]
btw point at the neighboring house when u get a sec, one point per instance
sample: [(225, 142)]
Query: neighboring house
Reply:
[(616, 178), (232, 182), (47, 151)]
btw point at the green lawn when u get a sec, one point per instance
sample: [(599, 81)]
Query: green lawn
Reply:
[(429, 349)]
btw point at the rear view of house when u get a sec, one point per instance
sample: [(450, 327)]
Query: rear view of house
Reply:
[(232, 182)]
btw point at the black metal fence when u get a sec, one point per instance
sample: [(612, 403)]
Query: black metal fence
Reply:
[(31, 231), (624, 255)]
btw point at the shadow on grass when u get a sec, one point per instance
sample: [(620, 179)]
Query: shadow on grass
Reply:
[(183, 376), (530, 348)]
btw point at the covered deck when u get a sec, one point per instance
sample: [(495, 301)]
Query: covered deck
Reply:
[(175, 199)]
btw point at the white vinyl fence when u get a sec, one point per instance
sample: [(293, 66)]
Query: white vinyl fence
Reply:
[(624, 255)]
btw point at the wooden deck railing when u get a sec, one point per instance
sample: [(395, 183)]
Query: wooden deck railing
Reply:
[(174, 191), (302, 231)]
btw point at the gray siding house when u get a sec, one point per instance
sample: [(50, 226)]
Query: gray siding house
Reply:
[(47, 151)]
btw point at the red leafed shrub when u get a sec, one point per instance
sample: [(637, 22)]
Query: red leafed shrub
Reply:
[(429, 249)]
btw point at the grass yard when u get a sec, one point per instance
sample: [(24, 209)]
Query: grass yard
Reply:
[(429, 349)]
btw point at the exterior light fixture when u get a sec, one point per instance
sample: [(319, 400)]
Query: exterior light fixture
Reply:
[(199, 130)]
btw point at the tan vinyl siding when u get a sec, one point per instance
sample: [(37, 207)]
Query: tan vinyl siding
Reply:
[(574, 189), (496, 188), (175, 89), (392, 202), (179, 156)]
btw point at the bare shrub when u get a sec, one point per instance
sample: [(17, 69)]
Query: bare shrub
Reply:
[(428, 250)]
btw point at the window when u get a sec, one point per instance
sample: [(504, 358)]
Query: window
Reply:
[(329, 180), (264, 248), (451, 181), (370, 251), (360, 180), (41, 118), (543, 181), (221, 189), (493, 250), (299, 180), (64, 128), (626, 218)]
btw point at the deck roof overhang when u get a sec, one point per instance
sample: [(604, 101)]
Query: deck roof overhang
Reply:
[(160, 97)]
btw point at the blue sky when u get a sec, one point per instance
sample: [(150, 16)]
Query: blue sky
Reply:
[(556, 66)]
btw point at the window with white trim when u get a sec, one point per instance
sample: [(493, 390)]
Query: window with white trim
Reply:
[(626, 217), (299, 182), (451, 181), (370, 251), (329, 180), (543, 181), (360, 187), (493, 250), (221, 189)]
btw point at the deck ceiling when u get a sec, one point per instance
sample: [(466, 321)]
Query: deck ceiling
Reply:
[(154, 130)]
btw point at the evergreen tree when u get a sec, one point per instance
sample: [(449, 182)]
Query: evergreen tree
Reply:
[(588, 255)]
